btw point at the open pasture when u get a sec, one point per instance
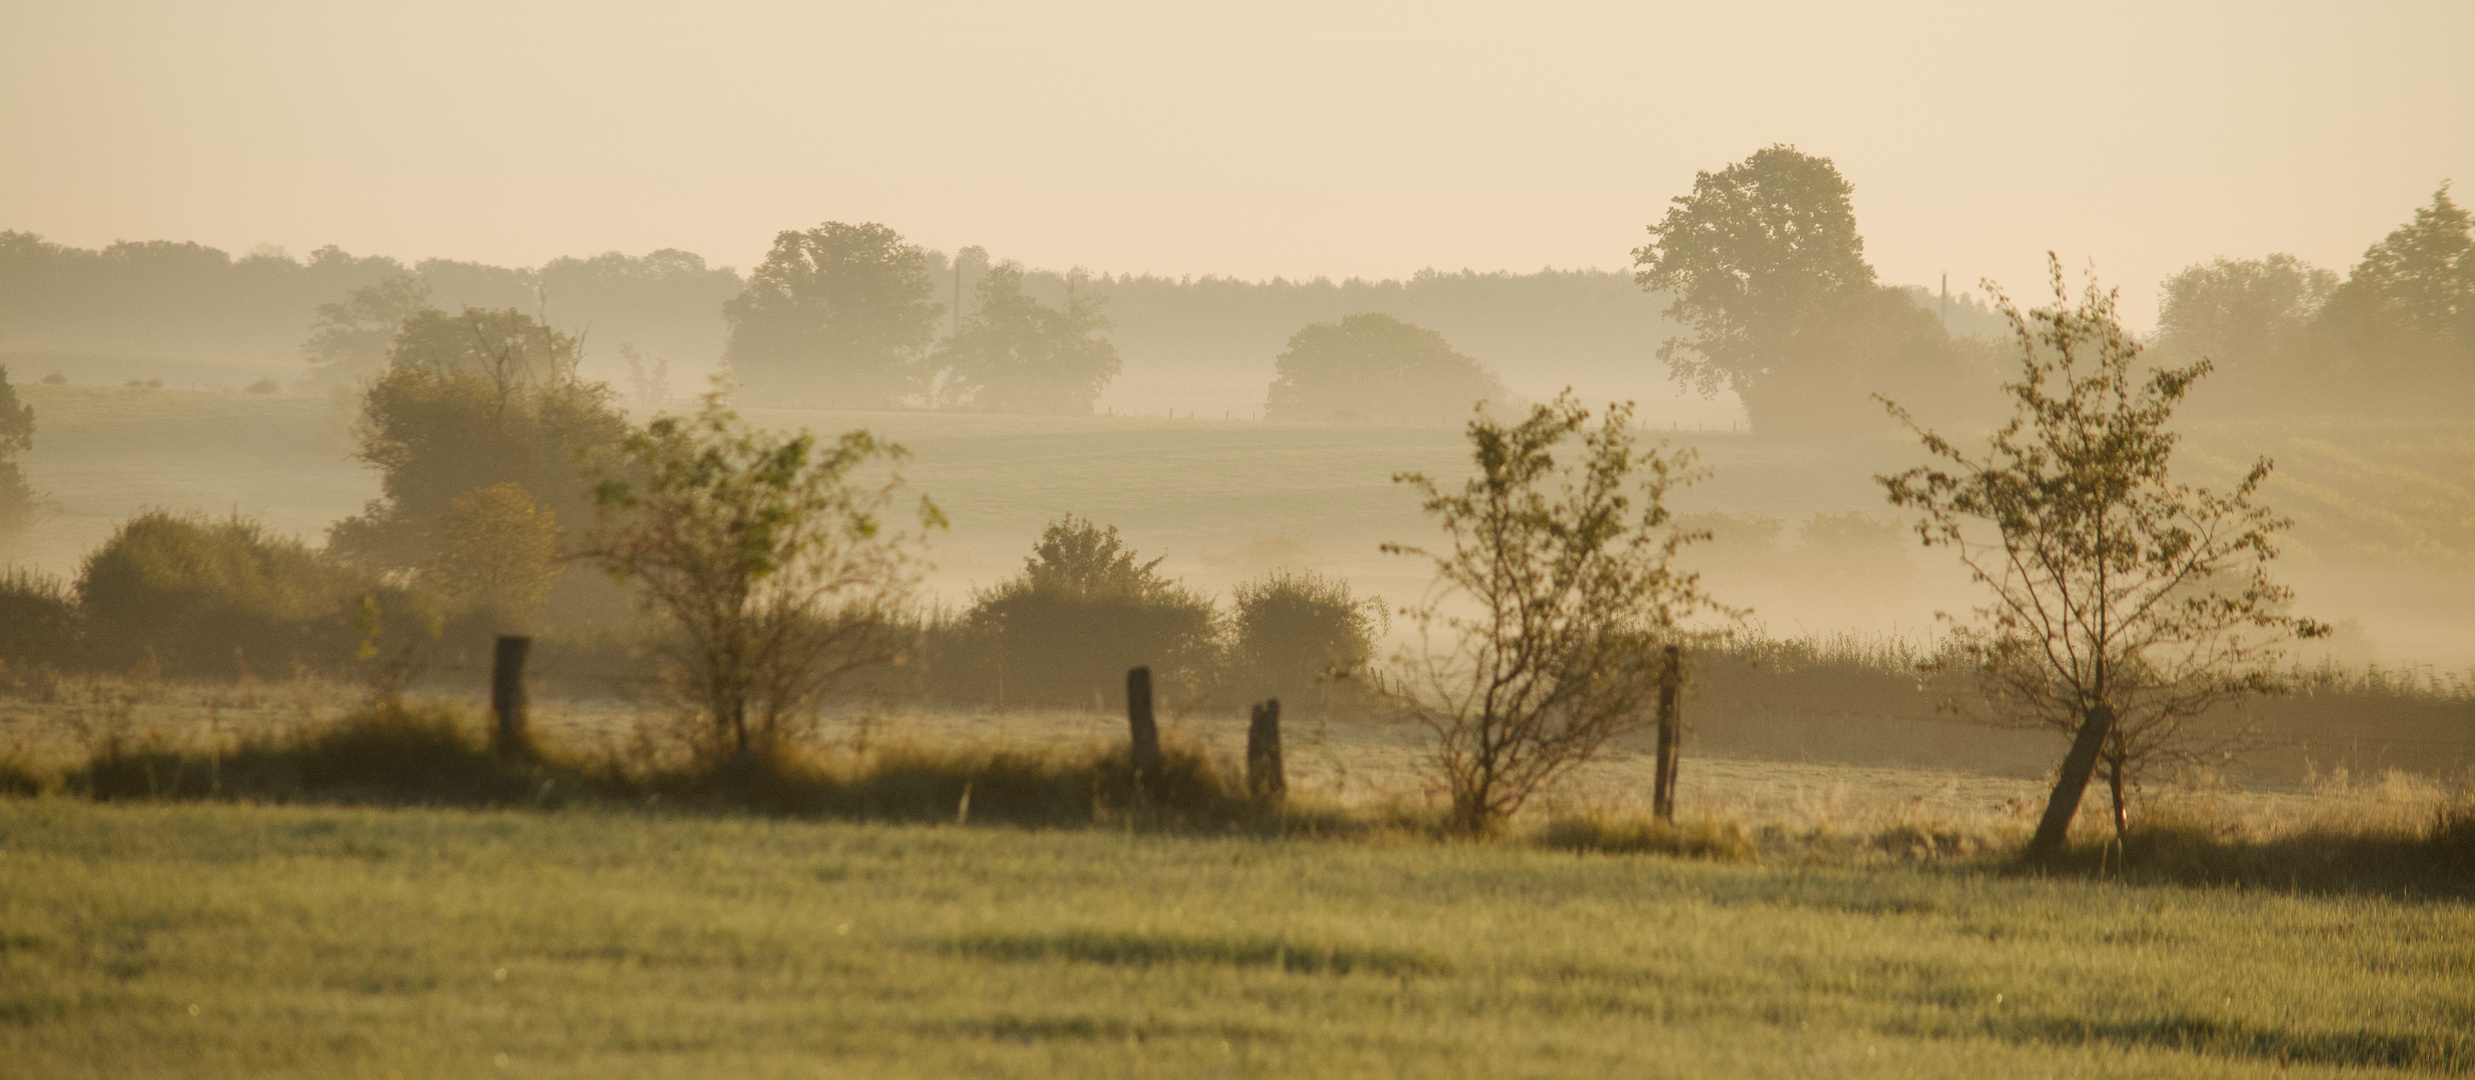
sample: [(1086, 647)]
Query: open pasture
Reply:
[(230, 941)]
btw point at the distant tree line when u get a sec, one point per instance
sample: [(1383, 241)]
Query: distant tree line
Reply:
[(186, 299), (1755, 282), (2397, 333)]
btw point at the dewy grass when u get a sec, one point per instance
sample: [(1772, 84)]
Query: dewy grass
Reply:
[(210, 940), (1638, 834)]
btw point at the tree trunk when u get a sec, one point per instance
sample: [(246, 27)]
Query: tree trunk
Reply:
[(2077, 767), (1671, 737), (509, 738), (2114, 784), (1143, 732), (1266, 780)]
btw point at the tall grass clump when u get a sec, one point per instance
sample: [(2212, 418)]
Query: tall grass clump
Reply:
[(386, 752), (1641, 834), (2367, 852), (930, 782)]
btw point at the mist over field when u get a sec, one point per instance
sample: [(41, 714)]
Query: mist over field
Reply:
[(1174, 449), (1271, 540)]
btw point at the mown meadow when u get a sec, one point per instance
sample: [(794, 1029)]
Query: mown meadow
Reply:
[(212, 940)]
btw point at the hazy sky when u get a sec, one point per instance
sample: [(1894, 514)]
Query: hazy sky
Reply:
[(1251, 140)]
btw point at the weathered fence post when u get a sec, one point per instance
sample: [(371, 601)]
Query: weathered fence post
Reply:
[(1663, 792), (1148, 764), (1266, 780), (507, 697)]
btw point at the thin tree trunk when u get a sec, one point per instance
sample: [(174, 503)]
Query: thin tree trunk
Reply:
[(1671, 737), (2078, 766), (2114, 783)]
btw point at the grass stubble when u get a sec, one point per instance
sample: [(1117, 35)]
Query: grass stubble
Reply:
[(213, 939)]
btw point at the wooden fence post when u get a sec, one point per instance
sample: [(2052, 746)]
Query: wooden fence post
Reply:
[(1663, 792), (1148, 764), (508, 739), (1266, 780)]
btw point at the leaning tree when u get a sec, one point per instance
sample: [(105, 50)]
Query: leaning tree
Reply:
[(2125, 602)]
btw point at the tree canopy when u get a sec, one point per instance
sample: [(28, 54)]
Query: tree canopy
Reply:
[(2407, 311), (468, 401), (1763, 261), (353, 336), (1376, 368), (838, 316), (1016, 354)]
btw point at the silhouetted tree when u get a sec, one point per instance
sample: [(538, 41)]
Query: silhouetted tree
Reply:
[(1376, 368), (469, 401), (2125, 602), (2405, 317), (352, 338), (838, 316), (1765, 264), (1016, 354)]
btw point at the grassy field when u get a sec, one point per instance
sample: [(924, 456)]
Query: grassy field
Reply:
[(222, 941)]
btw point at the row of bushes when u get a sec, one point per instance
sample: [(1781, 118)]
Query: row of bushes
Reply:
[(190, 596), (193, 597)]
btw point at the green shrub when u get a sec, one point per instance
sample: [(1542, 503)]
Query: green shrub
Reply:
[(1084, 610), (204, 597), (1292, 633), (38, 619)]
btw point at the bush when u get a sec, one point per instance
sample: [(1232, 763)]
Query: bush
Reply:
[(1292, 633), (38, 619), (1084, 611), (212, 598)]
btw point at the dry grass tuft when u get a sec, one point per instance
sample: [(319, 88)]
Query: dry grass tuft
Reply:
[(1638, 834)]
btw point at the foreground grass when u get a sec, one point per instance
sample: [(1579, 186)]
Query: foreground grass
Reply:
[(214, 940)]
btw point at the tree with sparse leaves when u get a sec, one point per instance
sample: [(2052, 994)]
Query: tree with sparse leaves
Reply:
[(1542, 637), (2125, 602), (352, 338), (775, 562)]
